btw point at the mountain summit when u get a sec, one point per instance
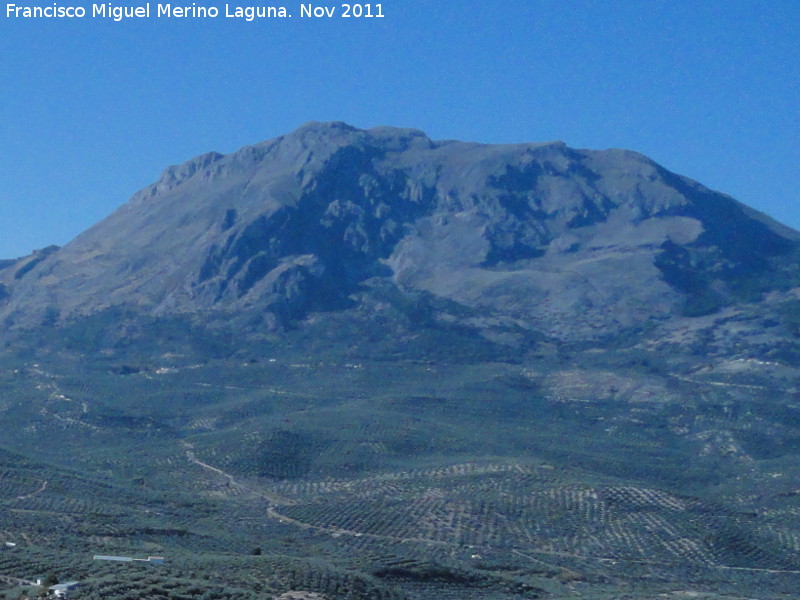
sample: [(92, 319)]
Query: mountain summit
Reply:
[(572, 244)]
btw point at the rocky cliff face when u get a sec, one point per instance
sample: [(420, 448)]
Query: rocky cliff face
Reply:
[(575, 244)]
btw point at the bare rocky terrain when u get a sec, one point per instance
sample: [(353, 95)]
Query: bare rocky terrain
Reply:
[(572, 244)]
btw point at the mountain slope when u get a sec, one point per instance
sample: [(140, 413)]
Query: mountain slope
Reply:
[(576, 244)]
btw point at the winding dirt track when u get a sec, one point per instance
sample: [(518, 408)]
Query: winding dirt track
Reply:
[(275, 501), (42, 488)]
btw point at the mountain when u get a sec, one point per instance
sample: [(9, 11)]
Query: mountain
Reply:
[(572, 244), (363, 364)]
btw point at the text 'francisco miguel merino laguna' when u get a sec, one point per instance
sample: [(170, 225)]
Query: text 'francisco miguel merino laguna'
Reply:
[(187, 11)]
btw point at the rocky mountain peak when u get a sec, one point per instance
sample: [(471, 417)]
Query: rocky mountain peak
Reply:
[(566, 242)]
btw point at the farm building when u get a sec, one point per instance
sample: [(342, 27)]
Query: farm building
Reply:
[(61, 590)]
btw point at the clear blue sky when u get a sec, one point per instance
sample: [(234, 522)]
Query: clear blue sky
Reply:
[(93, 110)]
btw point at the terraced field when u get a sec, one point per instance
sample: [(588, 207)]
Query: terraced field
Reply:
[(376, 480), (531, 508)]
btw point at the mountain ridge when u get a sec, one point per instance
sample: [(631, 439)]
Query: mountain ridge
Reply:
[(571, 243)]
